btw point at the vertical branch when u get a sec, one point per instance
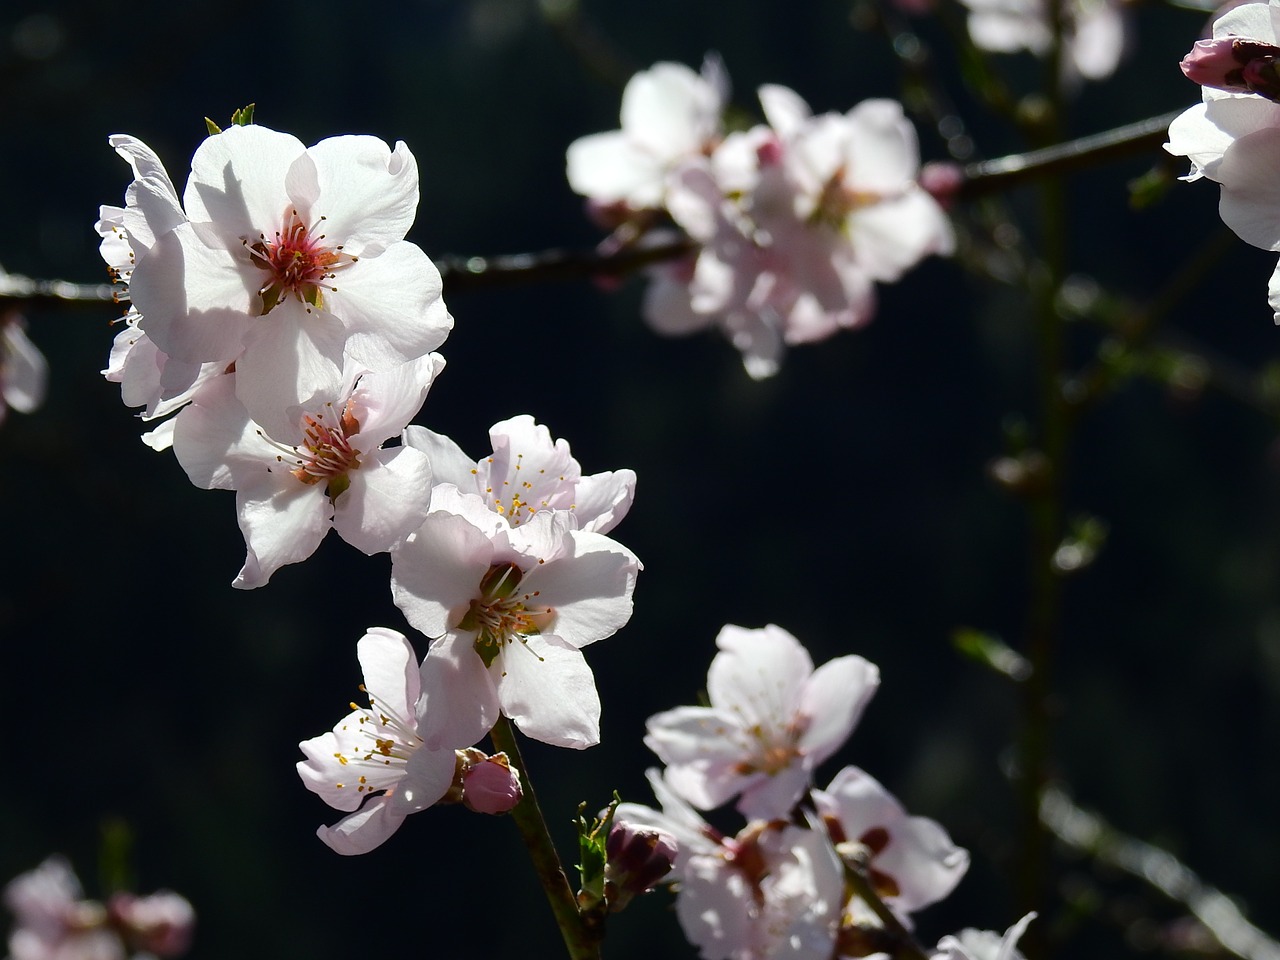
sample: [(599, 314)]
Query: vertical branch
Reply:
[(581, 943)]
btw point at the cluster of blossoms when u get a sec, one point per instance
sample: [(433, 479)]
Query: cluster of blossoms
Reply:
[(23, 370), (777, 888), (1233, 134), (281, 329), (53, 921), (793, 222)]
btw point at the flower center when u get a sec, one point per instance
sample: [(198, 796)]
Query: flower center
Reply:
[(386, 739), (503, 614), (325, 454), (837, 201), (298, 263)]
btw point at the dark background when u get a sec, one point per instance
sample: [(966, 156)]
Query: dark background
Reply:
[(844, 500)]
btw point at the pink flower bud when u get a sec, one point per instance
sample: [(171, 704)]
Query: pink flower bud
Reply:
[(491, 786), (942, 180), (162, 923), (1236, 64)]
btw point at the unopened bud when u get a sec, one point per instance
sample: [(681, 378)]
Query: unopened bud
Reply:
[(942, 180), (491, 786), (161, 924), (638, 858), (1236, 64)]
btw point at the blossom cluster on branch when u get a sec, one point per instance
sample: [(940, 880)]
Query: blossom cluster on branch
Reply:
[(795, 220)]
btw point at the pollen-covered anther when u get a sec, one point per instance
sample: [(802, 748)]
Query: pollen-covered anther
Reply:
[(325, 453), (503, 613), (298, 263)]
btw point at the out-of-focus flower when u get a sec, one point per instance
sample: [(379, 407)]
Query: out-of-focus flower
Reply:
[(669, 114), (516, 605), (528, 472), (340, 475), (772, 720), (23, 370), (1093, 42), (161, 924), (287, 260), (53, 921), (395, 757), (910, 861), (973, 944), (795, 222)]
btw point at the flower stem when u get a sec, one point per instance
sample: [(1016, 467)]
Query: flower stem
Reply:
[(862, 888), (581, 942)]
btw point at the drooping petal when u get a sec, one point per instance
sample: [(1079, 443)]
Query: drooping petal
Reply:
[(365, 830), (283, 521), (459, 699)]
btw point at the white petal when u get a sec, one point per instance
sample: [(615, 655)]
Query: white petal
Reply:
[(436, 574), (368, 193), (364, 830), (391, 306), (387, 500), (449, 464), (590, 590), (283, 521), (548, 690)]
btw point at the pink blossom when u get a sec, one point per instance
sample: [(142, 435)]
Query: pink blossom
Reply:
[(772, 720), (528, 472), (490, 785)]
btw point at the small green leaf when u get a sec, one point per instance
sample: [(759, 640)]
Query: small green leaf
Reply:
[(592, 837), (243, 117), (214, 129), (990, 651)]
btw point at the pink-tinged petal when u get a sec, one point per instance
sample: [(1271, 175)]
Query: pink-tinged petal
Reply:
[(324, 775), (669, 110), (459, 700), (882, 151), (715, 908), (774, 796), (590, 589), (610, 167), (364, 830), (368, 193), (449, 464), (161, 438), (703, 749), (832, 703), (292, 363), (23, 369), (199, 300), (919, 855), (1257, 21), (1250, 190), (603, 499), (387, 500), (152, 211), (385, 402), (784, 109), (892, 236), (1203, 133), (758, 675), (436, 573), (390, 669), (216, 442), (283, 521), (427, 775), (391, 306), (548, 690), (238, 180), (667, 307)]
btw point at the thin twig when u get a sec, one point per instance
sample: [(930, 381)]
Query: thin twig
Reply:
[(14, 286), (1089, 833), (461, 273), (990, 176)]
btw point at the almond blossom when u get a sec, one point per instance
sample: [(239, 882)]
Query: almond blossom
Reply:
[(383, 762), (1233, 136), (529, 472), (669, 114), (772, 890), (340, 475), (911, 860), (290, 259), (772, 720), (796, 221), (516, 605), (1094, 40)]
